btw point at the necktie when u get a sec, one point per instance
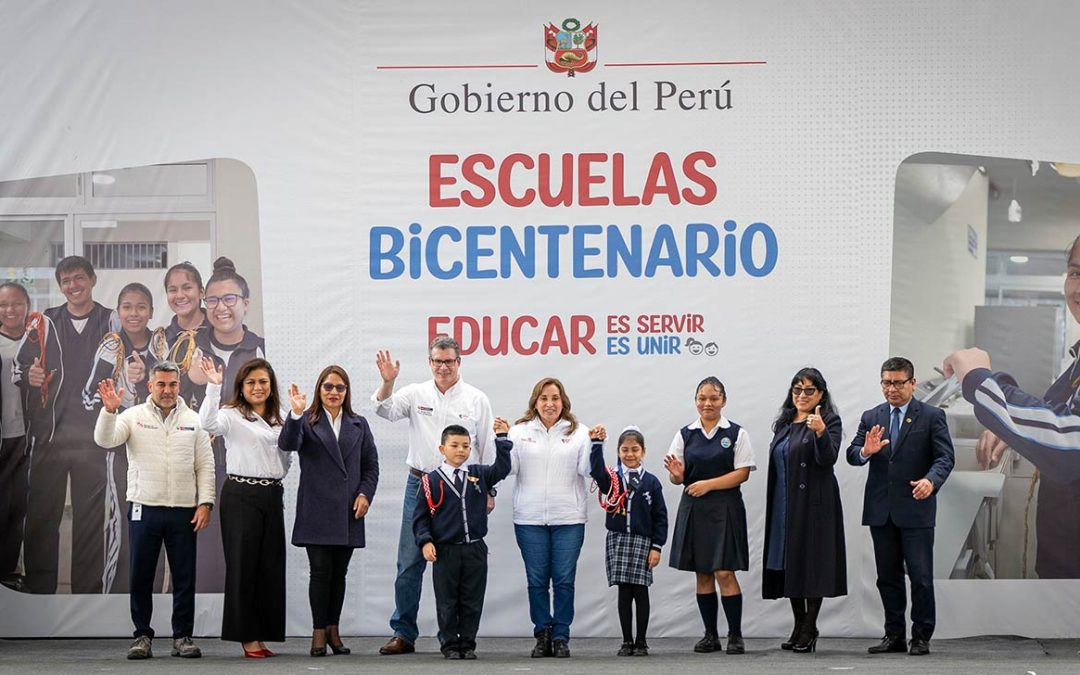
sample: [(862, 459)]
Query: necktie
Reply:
[(634, 480), (459, 480), (894, 430)]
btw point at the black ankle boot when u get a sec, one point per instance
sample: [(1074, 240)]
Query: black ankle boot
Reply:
[(791, 640), (543, 644), (806, 641)]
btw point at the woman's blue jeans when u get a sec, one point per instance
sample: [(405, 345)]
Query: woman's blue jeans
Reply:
[(551, 554)]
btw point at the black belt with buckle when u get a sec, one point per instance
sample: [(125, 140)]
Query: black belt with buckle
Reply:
[(265, 482), (416, 472)]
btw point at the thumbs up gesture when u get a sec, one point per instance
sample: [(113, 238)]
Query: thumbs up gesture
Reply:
[(814, 421), (35, 374), (136, 368)]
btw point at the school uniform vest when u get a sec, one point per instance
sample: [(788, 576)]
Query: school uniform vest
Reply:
[(706, 458)]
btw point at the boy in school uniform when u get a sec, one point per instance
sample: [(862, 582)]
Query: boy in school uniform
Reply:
[(450, 523)]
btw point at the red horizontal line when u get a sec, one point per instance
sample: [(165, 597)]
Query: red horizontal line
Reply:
[(461, 67), (687, 63)]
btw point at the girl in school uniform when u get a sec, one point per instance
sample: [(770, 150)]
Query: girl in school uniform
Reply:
[(711, 457), (184, 293), (637, 528)]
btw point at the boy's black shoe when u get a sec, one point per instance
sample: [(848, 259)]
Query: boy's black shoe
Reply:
[(627, 649), (560, 650), (468, 654), (641, 648)]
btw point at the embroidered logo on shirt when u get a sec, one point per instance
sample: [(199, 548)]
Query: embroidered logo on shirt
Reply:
[(181, 428), (725, 442), (143, 425), (425, 410)]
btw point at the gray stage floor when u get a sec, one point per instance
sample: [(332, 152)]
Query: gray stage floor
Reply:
[(505, 655)]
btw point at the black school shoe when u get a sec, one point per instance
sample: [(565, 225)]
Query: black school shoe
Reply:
[(560, 650), (627, 649), (708, 644), (735, 644), (641, 648), (468, 654)]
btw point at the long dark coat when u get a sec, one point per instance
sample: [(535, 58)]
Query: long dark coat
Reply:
[(332, 473), (815, 559)]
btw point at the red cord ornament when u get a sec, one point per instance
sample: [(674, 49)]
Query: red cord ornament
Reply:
[(615, 499), (432, 504)]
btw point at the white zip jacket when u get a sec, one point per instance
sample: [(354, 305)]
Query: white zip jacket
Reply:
[(552, 471), (170, 461)]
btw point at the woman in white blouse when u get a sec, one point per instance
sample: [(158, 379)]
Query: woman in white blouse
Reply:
[(252, 515), (551, 462)]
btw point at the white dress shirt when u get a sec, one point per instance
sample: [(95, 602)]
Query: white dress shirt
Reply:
[(251, 448), (744, 454), (429, 411)]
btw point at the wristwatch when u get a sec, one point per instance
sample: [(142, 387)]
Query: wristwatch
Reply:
[(492, 492)]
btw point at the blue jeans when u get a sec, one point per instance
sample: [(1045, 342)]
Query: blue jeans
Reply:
[(410, 569), (551, 553)]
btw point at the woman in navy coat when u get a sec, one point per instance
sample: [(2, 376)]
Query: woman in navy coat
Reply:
[(339, 470), (804, 556)]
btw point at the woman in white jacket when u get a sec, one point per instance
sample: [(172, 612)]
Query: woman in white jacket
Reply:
[(551, 463), (252, 516)]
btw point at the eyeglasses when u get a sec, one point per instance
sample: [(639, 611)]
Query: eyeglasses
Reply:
[(894, 384), (444, 362), (339, 388), (804, 391), (229, 299)]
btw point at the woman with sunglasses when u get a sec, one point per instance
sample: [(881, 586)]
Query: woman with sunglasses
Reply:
[(804, 556), (339, 471)]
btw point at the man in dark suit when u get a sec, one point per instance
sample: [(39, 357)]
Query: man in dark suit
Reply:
[(907, 445)]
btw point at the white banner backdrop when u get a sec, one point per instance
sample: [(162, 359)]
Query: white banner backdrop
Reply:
[(722, 172)]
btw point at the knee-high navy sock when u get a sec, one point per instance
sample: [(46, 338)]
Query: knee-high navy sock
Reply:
[(733, 612), (626, 609), (708, 607), (641, 599)]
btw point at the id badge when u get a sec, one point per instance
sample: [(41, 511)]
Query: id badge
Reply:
[(136, 512)]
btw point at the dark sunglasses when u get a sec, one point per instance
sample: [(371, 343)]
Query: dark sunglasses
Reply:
[(339, 388), (808, 391)]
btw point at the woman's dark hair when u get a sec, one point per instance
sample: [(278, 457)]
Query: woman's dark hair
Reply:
[(225, 270), (272, 414), (632, 434), (531, 413), (714, 381), (19, 287), (136, 287), (315, 410), (188, 269), (787, 410)]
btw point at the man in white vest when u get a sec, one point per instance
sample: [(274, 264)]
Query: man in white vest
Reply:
[(170, 495)]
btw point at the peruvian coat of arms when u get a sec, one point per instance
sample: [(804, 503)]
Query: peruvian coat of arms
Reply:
[(569, 48)]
